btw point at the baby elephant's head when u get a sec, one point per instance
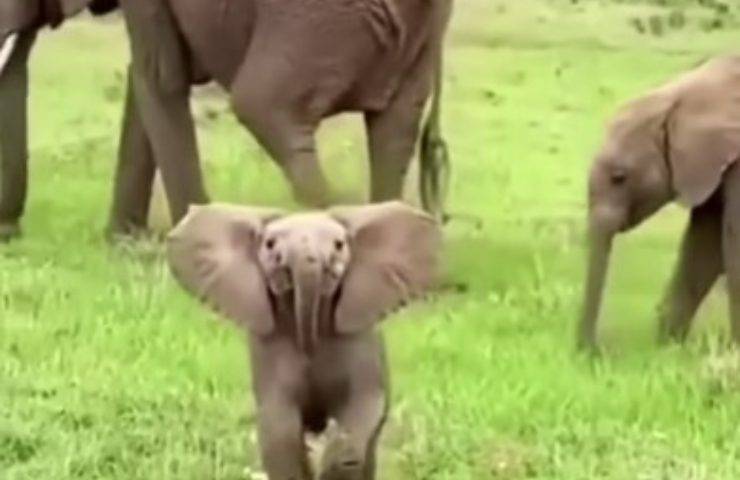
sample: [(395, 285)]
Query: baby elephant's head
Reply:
[(305, 256), (360, 262), (297, 247)]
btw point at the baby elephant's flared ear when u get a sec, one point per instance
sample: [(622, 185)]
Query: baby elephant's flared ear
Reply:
[(213, 254), (393, 260)]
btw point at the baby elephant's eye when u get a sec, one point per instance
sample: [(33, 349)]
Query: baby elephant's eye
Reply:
[(338, 245), (270, 243), (618, 177)]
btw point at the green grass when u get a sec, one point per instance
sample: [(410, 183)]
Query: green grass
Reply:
[(108, 371)]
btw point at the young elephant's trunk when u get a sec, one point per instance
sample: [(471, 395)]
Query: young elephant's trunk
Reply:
[(307, 278), (600, 243)]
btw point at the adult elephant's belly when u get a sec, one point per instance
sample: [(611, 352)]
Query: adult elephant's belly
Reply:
[(217, 33)]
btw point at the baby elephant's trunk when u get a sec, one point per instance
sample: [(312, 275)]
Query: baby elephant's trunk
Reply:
[(307, 278)]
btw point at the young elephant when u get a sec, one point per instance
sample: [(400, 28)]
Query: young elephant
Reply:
[(309, 289), (679, 142)]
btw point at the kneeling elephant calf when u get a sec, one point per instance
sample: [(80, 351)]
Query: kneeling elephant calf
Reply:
[(309, 288), (679, 142)]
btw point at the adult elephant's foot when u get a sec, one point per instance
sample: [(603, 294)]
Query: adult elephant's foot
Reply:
[(116, 233), (9, 231)]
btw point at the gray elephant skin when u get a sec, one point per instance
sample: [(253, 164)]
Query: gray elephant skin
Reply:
[(679, 142), (309, 289), (20, 21), (286, 64)]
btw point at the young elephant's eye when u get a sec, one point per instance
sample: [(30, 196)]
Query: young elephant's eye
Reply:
[(270, 243), (618, 177), (338, 245)]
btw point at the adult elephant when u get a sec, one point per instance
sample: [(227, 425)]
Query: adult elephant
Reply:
[(20, 21), (287, 65), (286, 71)]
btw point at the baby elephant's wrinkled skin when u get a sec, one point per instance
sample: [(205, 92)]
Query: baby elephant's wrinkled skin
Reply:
[(309, 289), (679, 142)]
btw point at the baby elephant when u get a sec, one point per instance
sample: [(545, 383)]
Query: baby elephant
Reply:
[(679, 142), (309, 289)]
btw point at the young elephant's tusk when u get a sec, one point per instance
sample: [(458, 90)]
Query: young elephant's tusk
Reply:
[(6, 51)]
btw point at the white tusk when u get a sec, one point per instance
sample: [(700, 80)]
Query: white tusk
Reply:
[(6, 51)]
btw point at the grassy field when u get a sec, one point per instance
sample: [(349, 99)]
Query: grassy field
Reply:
[(108, 371)]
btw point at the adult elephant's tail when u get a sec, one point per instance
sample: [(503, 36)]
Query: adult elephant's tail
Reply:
[(434, 173)]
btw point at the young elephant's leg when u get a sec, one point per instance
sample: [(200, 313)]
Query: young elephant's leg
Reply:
[(281, 440), (350, 454), (14, 137), (731, 245), (162, 86), (134, 173), (699, 265)]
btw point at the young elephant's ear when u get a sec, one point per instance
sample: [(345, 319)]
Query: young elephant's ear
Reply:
[(213, 254), (393, 250), (703, 131)]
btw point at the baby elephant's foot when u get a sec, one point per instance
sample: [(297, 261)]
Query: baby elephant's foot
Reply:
[(341, 460), (9, 231)]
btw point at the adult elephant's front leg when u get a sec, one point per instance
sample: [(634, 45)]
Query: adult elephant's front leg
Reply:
[(162, 86), (14, 136), (135, 171)]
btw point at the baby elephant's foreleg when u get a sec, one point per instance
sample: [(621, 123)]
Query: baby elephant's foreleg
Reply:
[(351, 448), (281, 440)]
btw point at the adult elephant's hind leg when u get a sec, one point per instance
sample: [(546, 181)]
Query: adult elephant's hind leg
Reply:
[(135, 172), (289, 140), (14, 137), (699, 265), (161, 82), (392, 135)]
